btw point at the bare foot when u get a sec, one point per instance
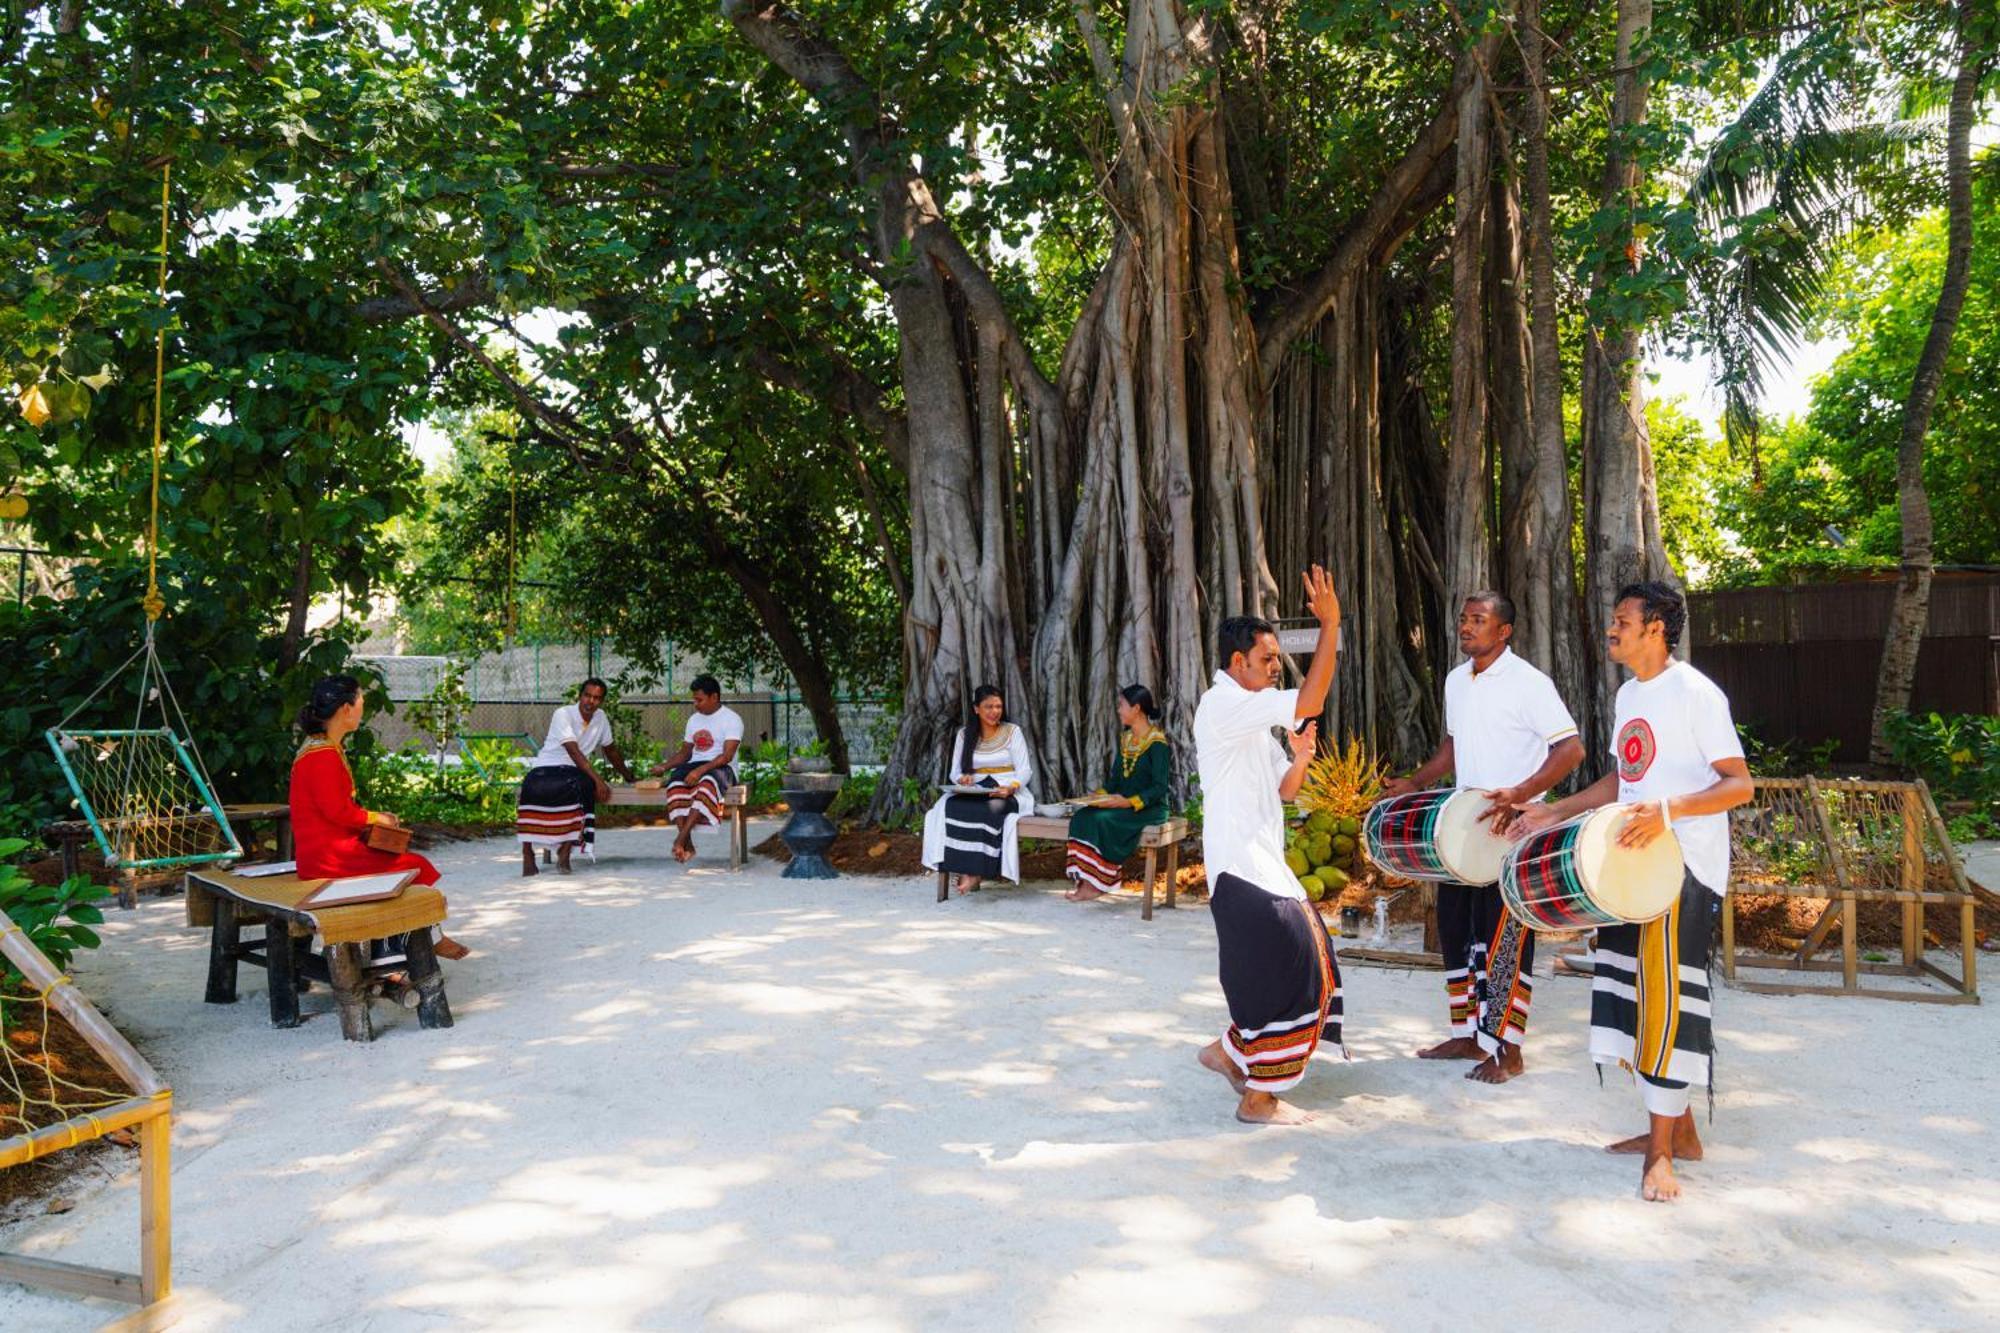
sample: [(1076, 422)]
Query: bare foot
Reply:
[(1687, 1143), (1502, 1065), (528, 860), (1262, 1108), (1659, 1184), (562, 857), (1458, 1048), (1213, 1057), (447, 947), (1084, 893), (968, 883), (683, 852)]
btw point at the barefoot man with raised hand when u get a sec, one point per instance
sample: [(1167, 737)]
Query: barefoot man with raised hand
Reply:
[(1506, 733), (1680, 764), (1279, 975)]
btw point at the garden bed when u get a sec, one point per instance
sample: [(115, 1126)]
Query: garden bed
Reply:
[(41, 1046)]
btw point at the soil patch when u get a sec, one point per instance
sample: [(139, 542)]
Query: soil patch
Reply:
[(44, 1058)]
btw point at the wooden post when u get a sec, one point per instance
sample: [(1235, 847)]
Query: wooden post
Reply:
[(1913, 878), (1173, 873), (350, 995), (223, 937), (1427, 893), (280, 978), (1850, 957), (943, 886), (1152, 865), (1968, 946), (285, 850), (155, 1207), (433, 1010), (1729, 937)]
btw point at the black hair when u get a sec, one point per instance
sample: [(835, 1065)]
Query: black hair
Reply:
[(589, 681), (1502, 604), (705, 684), (1658, 601), (1239, 634), (970, 735), (327, 698), (1141, 698)]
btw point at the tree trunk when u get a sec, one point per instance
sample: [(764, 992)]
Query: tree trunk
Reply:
[(1468, 477), (1909, 613), (1538, 524), (294, 640), (1621, 512)]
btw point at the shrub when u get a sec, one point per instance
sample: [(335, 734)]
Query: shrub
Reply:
[(56, 918), (1784, 759), (1958, 754)]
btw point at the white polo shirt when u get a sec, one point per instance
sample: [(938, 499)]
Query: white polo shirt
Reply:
[(567, 724), (1502, 721), (1241, 764), (1667, 735)]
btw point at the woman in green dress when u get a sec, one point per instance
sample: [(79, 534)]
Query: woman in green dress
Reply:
[(1102, 835)]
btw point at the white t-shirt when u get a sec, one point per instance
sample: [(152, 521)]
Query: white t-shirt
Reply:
[(709, 732), (1668, 734), (567, 724), (1502, 721), (1241, 765)]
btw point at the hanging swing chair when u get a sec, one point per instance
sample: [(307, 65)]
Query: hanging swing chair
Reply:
[(143, 789)]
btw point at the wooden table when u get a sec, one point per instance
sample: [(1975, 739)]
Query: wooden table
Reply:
[(735, 804), (225, 902), (276, 813), (1169, 835)]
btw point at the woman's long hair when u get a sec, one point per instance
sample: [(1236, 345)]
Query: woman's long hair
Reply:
[(327, 698), (969, 738), (1141, 698)]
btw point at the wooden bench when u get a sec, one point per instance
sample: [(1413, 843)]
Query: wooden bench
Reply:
[(68, 837), (1168, 835), (735, 805), (225, 902)]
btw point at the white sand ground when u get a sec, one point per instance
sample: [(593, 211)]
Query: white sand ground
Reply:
[(681, 1099)]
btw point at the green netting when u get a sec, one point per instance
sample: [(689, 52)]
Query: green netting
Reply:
[(144, 798)]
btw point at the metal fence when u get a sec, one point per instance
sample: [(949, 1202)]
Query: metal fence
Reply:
[(1798, 662)]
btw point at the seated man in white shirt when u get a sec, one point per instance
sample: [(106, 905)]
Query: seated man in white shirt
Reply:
[(704, 769), (557, 806), (1680, 763), (1278, 972)]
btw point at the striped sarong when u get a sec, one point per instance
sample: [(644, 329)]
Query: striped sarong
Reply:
[(1088, 866), (703, 798), (975, 829), (1649, 1003), (1281, 981), (1489, 959), (557, 804)]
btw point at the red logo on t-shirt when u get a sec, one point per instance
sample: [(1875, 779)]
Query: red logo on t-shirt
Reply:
[(704, 740), (1636, 749)]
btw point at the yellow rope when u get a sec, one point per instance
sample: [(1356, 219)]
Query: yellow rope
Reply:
[(155, 604)]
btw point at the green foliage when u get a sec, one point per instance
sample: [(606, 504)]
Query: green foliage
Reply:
[(1958, 755), (1786, 758), (217, 646), (55, 918), (440, 715), (628, 733), (852, 803), (418, 791)]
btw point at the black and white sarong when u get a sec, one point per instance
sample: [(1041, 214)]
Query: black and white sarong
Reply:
[(975, 830), (1281, 980)]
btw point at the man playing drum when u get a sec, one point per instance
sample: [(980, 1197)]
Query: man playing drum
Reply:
[(1507, 734), (1279, 975), (1679, 760)]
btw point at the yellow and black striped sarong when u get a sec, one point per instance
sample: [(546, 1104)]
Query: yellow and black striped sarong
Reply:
[(1649, 1004)]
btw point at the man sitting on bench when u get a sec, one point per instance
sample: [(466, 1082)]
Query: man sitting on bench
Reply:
[(703, 770), (557, 806)]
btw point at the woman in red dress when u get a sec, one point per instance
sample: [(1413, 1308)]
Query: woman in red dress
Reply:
[(327, 826)]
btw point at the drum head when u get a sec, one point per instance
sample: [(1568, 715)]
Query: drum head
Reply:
[(1635, 884), (1467, 844)]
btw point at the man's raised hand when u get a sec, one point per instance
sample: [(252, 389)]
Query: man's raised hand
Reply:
[(1321, 599)]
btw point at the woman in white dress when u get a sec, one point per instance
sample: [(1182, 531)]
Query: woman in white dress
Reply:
[(973, 837)]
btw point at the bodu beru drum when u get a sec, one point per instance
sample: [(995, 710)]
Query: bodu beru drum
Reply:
[(1437, 835), (1574, 875)]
